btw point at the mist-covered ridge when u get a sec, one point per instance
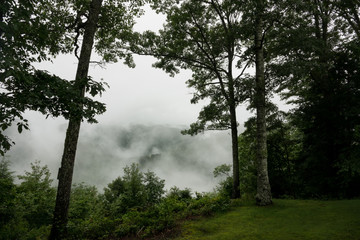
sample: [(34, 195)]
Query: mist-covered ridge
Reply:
[(104, 151)]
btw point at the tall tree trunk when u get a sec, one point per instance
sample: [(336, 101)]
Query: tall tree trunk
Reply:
[(233, 123), (235, 153), (263, 195), (58, 230)]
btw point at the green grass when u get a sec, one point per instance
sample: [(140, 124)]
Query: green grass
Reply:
[(285, 220)]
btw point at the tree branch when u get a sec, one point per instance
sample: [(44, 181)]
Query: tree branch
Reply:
[(243, 70)]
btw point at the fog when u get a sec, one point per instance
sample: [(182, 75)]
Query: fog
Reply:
[(182, 161), (104, 150)]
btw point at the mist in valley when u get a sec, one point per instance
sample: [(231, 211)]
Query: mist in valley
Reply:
[(104, 150)]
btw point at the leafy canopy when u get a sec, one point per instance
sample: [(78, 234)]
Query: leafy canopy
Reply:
[(35, 31)]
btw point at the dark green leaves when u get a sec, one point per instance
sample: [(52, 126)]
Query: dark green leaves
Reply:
[(213, 116), (54, 96), (114, 33), (50, 95), (30, 31), (33, 31), (204, 37)]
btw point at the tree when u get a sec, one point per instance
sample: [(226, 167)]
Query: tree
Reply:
[(225, 185), (72, 134), (283, 144), (26, 208), (349, 10), (317, 64), (7, 194), (29, 32), (105, 26), (34, 31), (134, 190), (154, 187), (257, 23), (84, 201), (36, 196), (203, 36), (263, 195)]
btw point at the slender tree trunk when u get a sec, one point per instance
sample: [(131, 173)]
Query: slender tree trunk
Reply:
[(263, 195), (233, 122), (65, 174), (235, 153)]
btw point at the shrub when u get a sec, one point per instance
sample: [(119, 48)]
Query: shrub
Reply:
[(154, 187), (29, 206), (208, 203), (35, 196), (225, 185), (83, 202), (133, 190), (86, 206), (150, 221), (7, 194), (132, 205), (179, 194)]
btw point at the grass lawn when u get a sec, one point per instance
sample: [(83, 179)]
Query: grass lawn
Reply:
[(285, 220)]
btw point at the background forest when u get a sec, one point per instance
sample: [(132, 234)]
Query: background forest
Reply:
[(238, 52)]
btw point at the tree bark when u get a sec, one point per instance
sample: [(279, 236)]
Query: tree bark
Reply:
[(235, 153), (58, 230), (234, 133), (263, 195)]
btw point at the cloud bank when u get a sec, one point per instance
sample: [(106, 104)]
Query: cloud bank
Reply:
[(104, 150)]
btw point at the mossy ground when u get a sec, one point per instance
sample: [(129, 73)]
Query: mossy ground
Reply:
[(284, 220)]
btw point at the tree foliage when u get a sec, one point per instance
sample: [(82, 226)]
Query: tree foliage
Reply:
[(134, 189), (204, 37), (7, 193), (284, 143), (91, 21), (33, 31), (36, 195), (26, 209), (316, 65), (27, 33)]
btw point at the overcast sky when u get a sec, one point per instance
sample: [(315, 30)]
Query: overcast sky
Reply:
[(140, 96)]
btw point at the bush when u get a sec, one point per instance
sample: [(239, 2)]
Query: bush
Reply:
[(225, 186), (179, 194), (156, 213), (86, 206), (26, 209), (154, 187), (83, 202), (208, 204), (132, 205), (133, 190), (35, 197), (159, 217), (7, 194)]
